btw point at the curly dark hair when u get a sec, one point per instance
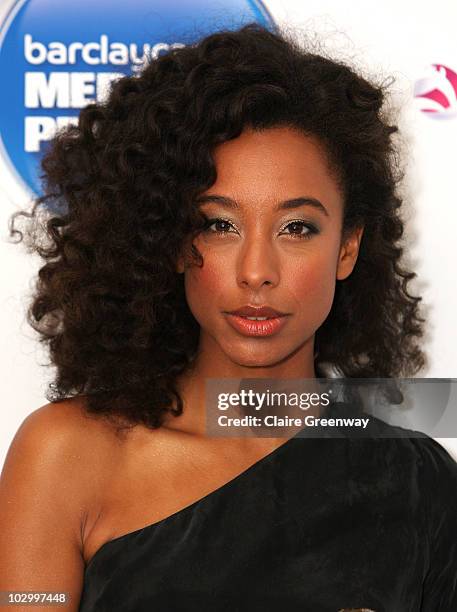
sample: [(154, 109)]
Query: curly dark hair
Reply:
[(119, 203)]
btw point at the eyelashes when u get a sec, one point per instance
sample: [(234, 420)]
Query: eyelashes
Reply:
[(295, 223)]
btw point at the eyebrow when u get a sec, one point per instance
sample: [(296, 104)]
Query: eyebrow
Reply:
[(285, 205)]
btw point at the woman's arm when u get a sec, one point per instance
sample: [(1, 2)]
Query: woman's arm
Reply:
[(43, 507)]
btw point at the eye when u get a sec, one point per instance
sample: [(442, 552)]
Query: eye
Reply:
[(297, 227), (222, 224)]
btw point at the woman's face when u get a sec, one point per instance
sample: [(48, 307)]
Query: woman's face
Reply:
[(268, 245)]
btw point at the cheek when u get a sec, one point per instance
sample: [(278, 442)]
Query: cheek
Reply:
[(202, 286), (312, 284)]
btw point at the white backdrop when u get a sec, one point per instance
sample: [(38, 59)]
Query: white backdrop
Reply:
[(402, 39)]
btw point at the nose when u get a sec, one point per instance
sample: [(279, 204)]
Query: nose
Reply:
[(257, 264)]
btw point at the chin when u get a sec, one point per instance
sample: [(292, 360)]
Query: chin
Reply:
[(255, 358)]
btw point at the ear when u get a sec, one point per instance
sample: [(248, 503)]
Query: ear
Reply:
[(183, 255), (348, 254), (184, 258), (180, 265)]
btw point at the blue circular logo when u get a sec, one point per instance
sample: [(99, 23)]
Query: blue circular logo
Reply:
[(56, 57)]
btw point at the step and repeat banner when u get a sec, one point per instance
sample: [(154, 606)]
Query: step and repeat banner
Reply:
[(56, 57)]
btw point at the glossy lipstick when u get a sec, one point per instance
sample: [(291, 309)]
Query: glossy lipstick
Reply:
[(271, 320)]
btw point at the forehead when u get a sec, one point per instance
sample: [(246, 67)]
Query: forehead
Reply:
[(273, 164)]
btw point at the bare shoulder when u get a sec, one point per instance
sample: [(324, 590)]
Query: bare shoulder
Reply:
[(65, 443), (48, 485), (67, 417), (60, 437)]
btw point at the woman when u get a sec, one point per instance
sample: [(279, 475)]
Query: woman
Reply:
[(240, 176)]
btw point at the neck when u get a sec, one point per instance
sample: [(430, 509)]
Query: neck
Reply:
[(192, 384)]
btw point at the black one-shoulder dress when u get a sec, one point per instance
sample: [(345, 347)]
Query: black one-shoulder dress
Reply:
[(321, 524)]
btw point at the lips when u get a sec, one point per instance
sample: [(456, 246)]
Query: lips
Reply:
[(257, 311), (252, 327), (268, 322)]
